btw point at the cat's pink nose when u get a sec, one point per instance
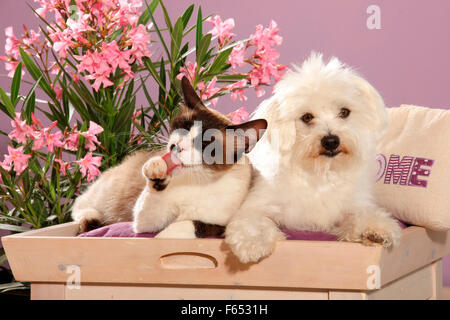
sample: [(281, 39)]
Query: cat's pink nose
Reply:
[(182, 145)]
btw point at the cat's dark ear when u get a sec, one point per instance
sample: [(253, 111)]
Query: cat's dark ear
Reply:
[(248, 134), (191, 99)]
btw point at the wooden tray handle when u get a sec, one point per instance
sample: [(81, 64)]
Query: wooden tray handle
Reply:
[(187, 260)]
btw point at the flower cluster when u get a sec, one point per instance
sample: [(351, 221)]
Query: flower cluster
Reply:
[(39, 137), (12, 48), (259, 52), (103, 38)]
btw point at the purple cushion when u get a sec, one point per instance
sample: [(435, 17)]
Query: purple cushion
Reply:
[(124, 230), (120, 229)]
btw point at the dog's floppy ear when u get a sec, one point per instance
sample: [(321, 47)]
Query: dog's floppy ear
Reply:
[(280, 132), (379, 120)]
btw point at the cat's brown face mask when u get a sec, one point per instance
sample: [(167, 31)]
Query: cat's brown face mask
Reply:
[(203, 137)]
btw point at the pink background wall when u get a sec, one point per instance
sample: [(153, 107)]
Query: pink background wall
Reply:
[(408, 60)]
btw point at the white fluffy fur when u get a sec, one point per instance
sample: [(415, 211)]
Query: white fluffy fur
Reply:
[(298, 188)]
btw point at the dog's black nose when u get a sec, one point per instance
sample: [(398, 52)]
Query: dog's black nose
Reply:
[(330, 142)]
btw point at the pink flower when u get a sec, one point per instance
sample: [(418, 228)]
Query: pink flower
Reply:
[(140, 42), (54, 68), (136, 115), (265, 57), (89, 165), (209, 91), (221, 29), (237, 55), (45, 7), (31, 37), (62, 42), (58, 91), (11, 66), (63, 166), (89, 62), (99, 80), (90, 135), (190, 71), (117, 58), (98, 67), (71, 142), (35, 121), (12, 43), (268, 36), (53, 140), (16, 157), (128, 12), (43, 137), (76, 77), (101, 65), (38, 140), (21, 129), (237, 90), (259, 92), (239, 115)]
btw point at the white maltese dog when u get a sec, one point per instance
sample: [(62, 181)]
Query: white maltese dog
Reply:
[(316, 162)]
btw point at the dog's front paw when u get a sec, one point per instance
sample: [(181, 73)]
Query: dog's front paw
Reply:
[(252, 242), (373, 236), (387, 235), (155, 168)]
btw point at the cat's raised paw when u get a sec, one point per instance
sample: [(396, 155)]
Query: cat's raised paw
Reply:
[(155, 169)]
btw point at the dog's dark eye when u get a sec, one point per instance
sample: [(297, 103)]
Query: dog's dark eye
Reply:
[(344, 113), (307, 117)]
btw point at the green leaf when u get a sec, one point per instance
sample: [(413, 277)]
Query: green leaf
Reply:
[(3, 258), (42, 19), (220, 62), (231, 77), (11, 227), (15, 86), (6, 111), (30, 101), (194, 27), (176, 37), (155, 25), (187, 15), (145, 16), (162, 76), (7, 217), (150, 67), (5, 287), (198, 32), (36, 74), (115, 34), (166, 16), (78, 104), (7, 103), (154, 109), (202, 50), (30, 106), (123, 117)]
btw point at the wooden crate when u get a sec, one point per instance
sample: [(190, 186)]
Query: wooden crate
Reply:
[(144, 268)]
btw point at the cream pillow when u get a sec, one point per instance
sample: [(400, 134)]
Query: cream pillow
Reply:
[(413, 179)]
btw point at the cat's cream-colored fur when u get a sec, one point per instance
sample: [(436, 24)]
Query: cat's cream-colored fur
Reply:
[(200, 194)]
